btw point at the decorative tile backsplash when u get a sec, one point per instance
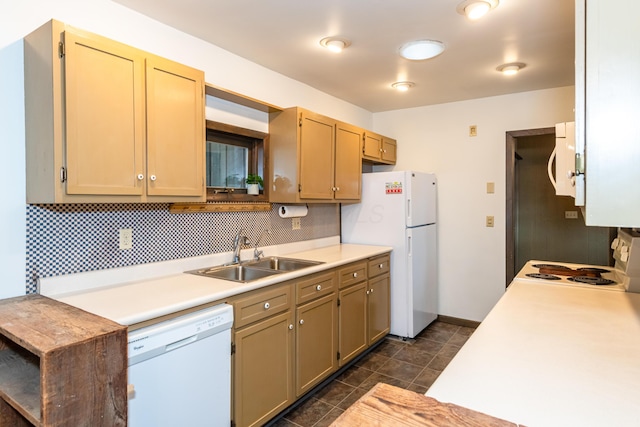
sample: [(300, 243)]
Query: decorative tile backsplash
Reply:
[(63, 239)]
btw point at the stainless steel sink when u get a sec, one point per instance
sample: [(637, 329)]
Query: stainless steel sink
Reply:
[(254, 270), (236, 273), (282, 264)]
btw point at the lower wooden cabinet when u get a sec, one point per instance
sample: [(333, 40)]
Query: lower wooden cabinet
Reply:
[(290, 337), (263, 374)]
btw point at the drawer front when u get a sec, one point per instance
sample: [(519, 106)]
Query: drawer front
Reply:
[(315, 286), (379, 265), (352, 274), (262, 305)]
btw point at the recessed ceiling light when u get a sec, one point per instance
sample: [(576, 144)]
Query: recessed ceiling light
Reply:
[(403, 86), (421, 49), (476, 9), (511, 68), (334, 44)]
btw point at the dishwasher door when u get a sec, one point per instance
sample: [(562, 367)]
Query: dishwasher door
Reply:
[(180, 370)]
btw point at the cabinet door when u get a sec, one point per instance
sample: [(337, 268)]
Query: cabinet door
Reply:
[(378, 308), (316, 156), (352, 315), (316, 342), (612, 91), (372, 146), (105, 127), (263, 370), (175, 129), (388, 154), (348, 162)]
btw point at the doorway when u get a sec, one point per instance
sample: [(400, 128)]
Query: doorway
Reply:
[(541, 225)]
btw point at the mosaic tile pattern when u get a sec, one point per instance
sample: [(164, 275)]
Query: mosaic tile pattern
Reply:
[(63, 239)]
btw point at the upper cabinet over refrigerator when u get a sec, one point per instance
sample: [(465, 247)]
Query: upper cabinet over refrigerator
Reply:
[(607, 111)]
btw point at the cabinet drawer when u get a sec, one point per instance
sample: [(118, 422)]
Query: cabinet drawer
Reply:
[(379, 265), (315, 286), (352, 274), (261, 305)]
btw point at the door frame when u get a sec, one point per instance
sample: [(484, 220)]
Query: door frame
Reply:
[(511, 141)]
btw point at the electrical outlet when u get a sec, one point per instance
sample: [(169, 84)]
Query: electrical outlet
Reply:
[(489, 221), (473, 130), (126, 238), (295, 223), (571, 214)]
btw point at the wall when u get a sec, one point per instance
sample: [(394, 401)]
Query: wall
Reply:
[(435, 139), (112, 20)]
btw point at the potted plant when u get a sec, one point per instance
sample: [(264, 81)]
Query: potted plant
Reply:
[(254, 182)]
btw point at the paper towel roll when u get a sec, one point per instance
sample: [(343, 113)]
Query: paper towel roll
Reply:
[(289, 211)]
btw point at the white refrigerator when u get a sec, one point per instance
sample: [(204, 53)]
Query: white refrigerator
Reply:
[(398, 209)]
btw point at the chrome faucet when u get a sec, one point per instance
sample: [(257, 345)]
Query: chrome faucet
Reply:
[(256, 253), (238, 241)]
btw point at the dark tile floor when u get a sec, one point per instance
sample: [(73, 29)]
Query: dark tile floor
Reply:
[(412, 364)]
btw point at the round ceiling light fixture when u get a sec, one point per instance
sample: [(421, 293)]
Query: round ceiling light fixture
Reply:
[(403, 86), (334, 44), (476, 9), (512, 68), (421, 49)]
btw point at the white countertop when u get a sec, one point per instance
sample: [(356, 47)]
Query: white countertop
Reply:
[(550, 355), (136, 300)]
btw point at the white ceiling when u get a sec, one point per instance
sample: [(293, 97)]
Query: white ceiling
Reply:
[(284, 35)]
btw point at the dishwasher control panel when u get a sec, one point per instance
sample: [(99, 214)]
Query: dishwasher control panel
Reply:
[(172, 334)]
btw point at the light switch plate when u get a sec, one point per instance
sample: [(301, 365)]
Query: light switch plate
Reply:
[(491, 187), (489, 221)]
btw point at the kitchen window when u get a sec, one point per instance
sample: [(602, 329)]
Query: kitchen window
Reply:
[(232, 153)]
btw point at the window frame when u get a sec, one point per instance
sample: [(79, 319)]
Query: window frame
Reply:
[(258, 144)]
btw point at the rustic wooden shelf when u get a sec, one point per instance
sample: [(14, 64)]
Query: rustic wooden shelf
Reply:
[(218, 207), (60, 365)]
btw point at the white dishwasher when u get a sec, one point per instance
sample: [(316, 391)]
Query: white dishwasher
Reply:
[(180, 371)]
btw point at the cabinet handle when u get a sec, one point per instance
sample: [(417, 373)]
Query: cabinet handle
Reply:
[(380, 265), (355, 275), (302, 321), (337, 188), (291, 327), (152, 177), (267, 305), (140, 177), (370, 291), (319, 288)]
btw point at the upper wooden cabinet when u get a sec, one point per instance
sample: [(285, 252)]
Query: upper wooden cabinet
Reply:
[(313, 158), (106, 122), (379, 149)]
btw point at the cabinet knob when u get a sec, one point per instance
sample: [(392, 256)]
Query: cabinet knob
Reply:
[(337, 188), (380, 265), (267, 305), (302, 321), (318, 287), (140, 177), (370, 291), (152, 177), (291, 327), (355, 275)]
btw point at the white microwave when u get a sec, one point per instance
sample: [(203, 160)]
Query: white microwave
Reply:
[(564, 154)]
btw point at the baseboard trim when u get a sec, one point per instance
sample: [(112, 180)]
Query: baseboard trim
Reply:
[(458, 321)]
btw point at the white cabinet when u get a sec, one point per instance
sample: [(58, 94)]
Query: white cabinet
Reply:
[(607, 108)]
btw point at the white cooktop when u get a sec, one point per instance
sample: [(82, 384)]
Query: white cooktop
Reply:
[(613, 274)]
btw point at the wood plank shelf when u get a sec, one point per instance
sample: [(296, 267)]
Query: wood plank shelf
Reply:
[(218, 207), (60, 365)]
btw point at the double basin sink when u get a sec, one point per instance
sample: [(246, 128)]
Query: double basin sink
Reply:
[(254, 270)]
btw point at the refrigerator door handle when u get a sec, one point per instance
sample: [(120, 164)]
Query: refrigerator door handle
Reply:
[(408, 208), (409, 246)]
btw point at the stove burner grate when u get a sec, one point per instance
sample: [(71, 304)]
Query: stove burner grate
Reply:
[(542, 276), (593, 270), (592, 280)]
